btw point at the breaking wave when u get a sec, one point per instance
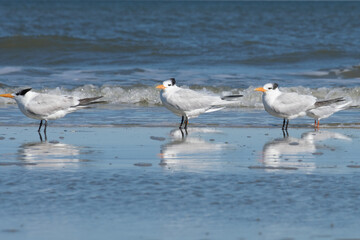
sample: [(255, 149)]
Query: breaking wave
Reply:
[(143, 95)]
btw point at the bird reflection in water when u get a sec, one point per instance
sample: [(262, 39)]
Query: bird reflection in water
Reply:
[(41, 138), (189, 151), (51, 154), (290, 152)]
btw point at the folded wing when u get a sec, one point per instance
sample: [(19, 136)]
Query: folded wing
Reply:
[(45, 104), (293, 103)]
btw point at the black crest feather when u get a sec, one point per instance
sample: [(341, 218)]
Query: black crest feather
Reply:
[(173, 81), (23, 92), (275, 86)]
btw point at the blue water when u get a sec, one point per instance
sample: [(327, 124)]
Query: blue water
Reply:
[(116, 41), (234, 176), (122, 50)]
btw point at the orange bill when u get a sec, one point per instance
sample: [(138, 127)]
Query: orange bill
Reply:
[(160, 86), (7, 95), (260, 89)]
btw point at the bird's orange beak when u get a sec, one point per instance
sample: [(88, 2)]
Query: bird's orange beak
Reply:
[(260, 89), (161, 86), (8, 95)]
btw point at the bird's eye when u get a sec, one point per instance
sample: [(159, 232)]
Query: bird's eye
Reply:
[(169, 85), (270, 88)]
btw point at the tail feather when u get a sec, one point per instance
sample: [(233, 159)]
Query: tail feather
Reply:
[(329, 102), (230, 97), (354, 106), (344, 106), (88, 101)]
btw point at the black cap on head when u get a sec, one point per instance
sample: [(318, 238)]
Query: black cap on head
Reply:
[(23, 92), (275, 86), (173, 81)]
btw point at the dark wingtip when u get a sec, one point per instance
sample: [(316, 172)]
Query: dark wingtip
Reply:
[(329, 101), (231, 96), (88, 101)]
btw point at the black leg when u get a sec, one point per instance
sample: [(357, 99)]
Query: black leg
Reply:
[(182, 121), (283, 126), (287, 123), (186, 122), (45, 126), (40, 125)]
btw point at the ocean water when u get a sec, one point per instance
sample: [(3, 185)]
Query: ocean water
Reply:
[(145, 183), (122, 170), (122, 50)]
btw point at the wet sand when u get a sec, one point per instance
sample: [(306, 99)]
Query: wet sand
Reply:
[(153, 183)]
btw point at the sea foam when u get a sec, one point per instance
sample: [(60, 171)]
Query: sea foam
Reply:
[(150, 96)]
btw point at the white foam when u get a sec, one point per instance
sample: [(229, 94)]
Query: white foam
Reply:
[(149, 95)]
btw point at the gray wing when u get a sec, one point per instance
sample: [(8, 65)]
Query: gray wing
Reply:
[(188, 100), (293, 103), (45, 104)]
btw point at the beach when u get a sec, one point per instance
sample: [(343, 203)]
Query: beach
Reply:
[(121, 169), (152, 183)]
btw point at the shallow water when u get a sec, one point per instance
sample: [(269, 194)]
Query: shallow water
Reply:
[(139, 182), (122, 170), (107, 116)]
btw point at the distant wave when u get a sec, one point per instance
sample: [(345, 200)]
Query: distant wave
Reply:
[(350, 72), (8, 70), (296, 56), (60, 42), (149, 95), (36, 41), (124, 45)]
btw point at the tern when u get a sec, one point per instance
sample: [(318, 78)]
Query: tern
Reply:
[(188, 103), (326, 111), (46, 107), (290, 105)]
